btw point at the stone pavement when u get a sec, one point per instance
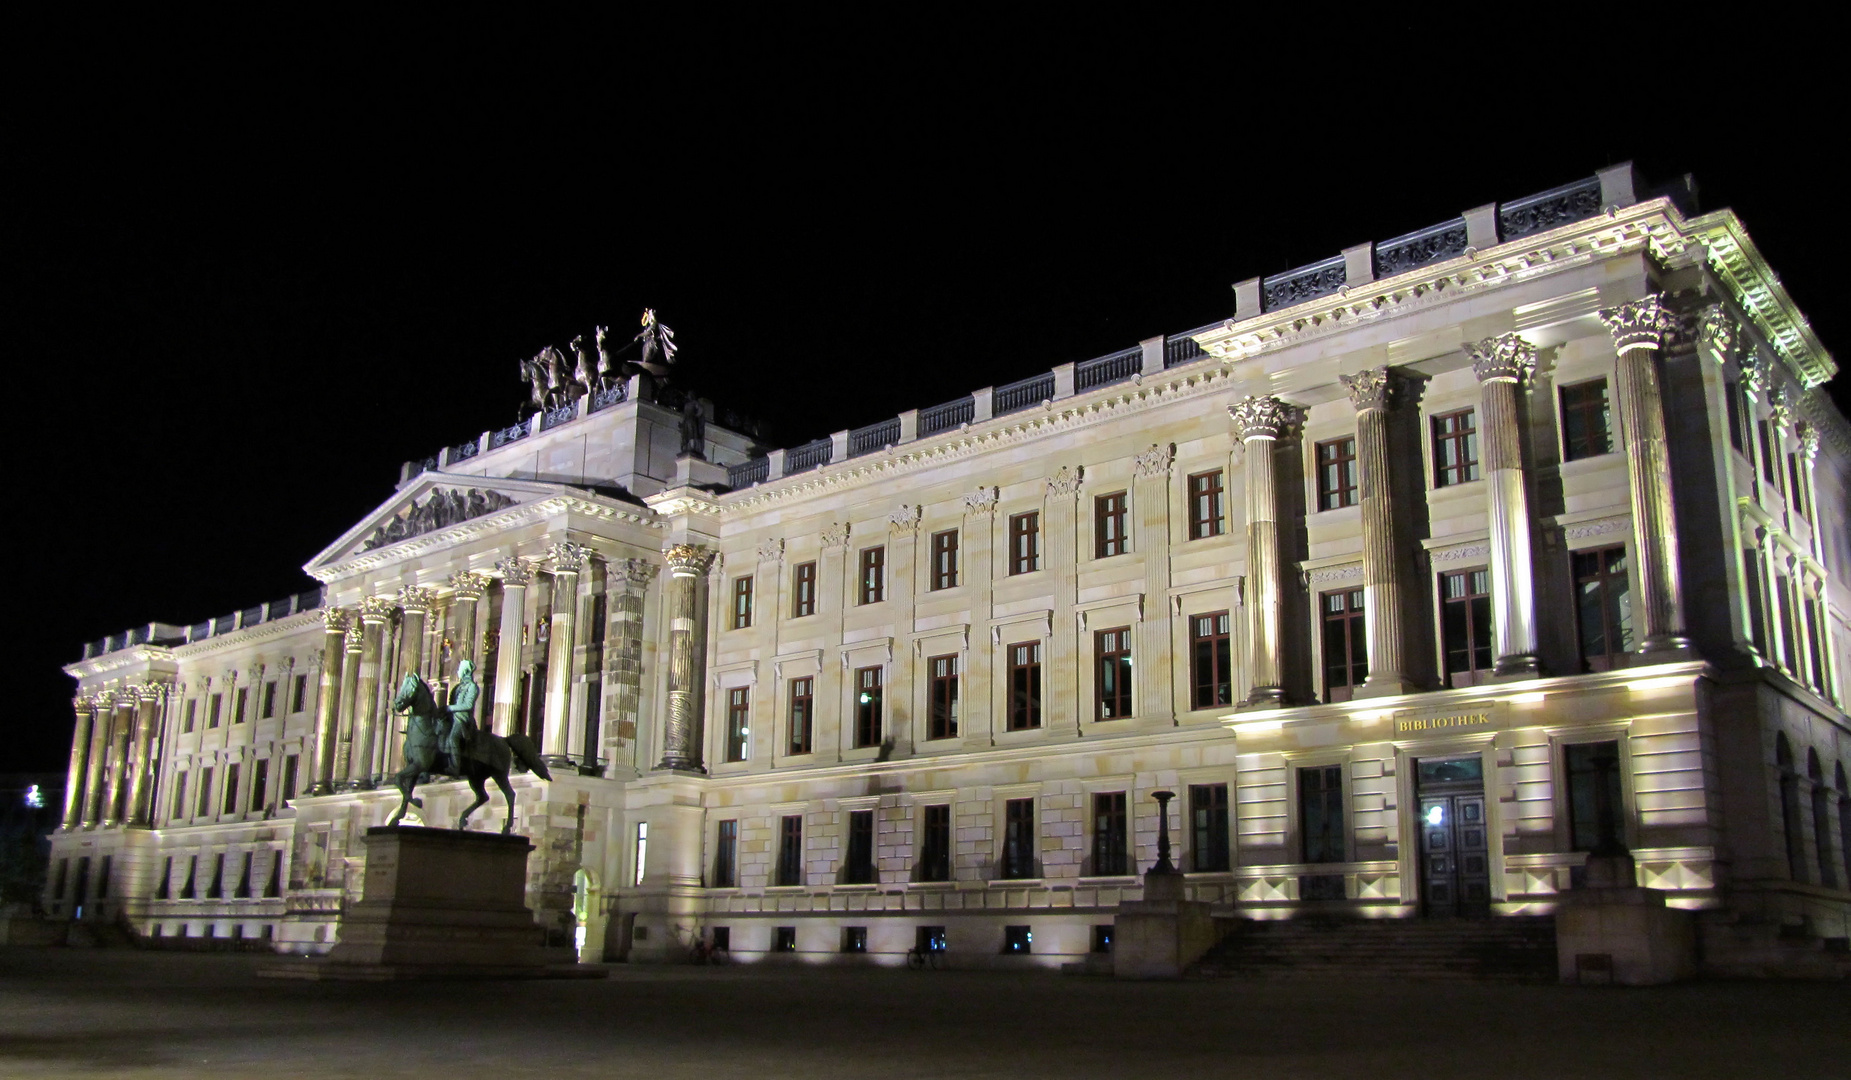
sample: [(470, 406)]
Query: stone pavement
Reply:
[(121, 1013)]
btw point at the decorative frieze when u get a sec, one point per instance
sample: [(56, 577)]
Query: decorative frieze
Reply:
[(638, 572), (1583, 530), (1641, 324), (442, 508)]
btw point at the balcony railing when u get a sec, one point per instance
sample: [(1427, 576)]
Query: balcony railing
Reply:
[(1022, 395), (1435, 243), (561, 415), (874, 437), (1182, 349), (1557, 206), (747, 473), (947, 416), (509, 434), (609, 396), (1108, 369), (808, 456), (1305, 283), (464, 451)]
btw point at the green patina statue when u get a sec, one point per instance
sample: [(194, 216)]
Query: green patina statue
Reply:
[(444, 741)]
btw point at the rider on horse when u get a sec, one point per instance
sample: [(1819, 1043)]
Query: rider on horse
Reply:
[(459, 735)]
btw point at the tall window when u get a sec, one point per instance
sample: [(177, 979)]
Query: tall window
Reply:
[(1465, 625), (873, 575), (867, 706), (1206, 510), (1821, 822), (1813, 633), (205, 794), (231, 789), (212, 712), (942, 721), (803, 590), (1796, 490), (1111, 856), (289, 777), (935, 843), (1024, 685), (269, 709), (1603, 607), (299, 699), (1587, 420), (860, 866), (238, 715), (1018, 838), (1732, 401), (803, 712), (1594, 806), (1320, 814), (192, 709), (738, 721), (1113, 647), (1455, 448), (1346, 643), (1789, 778), (1208, 827), (790, 849), (1025, 543), (1109, 525), (1211, 671), (640, 855), (945, 559), (726, 855), (1769, 471), (179, 795), (260, 783), (1755, 585), (742, 602), (1337, 473)]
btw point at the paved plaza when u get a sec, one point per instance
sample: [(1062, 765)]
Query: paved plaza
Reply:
[(120, 1013)]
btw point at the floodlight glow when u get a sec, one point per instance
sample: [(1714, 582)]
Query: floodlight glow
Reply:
[(34, 798), (1436, 815), (1532, 698)]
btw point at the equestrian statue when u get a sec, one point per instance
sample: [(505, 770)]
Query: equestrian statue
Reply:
[(443, 740)]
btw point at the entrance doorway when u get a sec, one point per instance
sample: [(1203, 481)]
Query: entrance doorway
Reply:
[(1455, 855)]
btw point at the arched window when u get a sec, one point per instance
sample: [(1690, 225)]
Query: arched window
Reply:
[(1821, 820), (1790, 808)]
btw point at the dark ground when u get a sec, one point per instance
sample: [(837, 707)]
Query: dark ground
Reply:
[(127, 1014)]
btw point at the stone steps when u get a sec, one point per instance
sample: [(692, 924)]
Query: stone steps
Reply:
[(1519, 949)]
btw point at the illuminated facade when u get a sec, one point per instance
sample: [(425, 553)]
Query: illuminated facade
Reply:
[(1441, 564)]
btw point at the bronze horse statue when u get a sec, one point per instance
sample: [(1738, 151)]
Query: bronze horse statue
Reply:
[(490, 756)]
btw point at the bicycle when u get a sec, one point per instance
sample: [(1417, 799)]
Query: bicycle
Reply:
[(919, 959)]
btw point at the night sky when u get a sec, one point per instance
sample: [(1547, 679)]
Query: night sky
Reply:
[(258, 266)]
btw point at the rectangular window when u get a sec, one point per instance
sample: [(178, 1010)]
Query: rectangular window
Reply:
[(1320, 814), (1732, 401), (212, 714), (1111, 853), (1018, 838), (299, 699), (1025, 543), (873, 575), (1587, 420), (942, 708), (1594, 806), (231, 789), (1113, 648), (238, 715), (1603, 607), (1789, 634), (784, 939), (641, 852), (867, 706), (1796, 492), (164, 885), (189, 889), (742, 602), (803, 590), (1465, 625), (1018, 940), (854, 939), (1455, 448), (1211, 671), (859, 868), (1337, 473), (1768, 470), (802, 712), (1206, 510), (179, 794), (1208, 828), (935, 843), (726, 855), (1109, 525), (738, 721), (205, 794), (1813, 631), (1346, 643), (260, 783), (192, 709), (102, 877), (269, 699), (215, 890), (289, 778), (242, 890), (945, 559), (1024, 686), (1755, 585)]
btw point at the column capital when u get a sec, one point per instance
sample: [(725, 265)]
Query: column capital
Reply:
[(150, 692), (335, 619), (568, 557), (105, 701), (1369, 388), (688, 560), (1506, 356), (470, 585), (905, 519), (416, 600), (356, 635), (1718, 332), (1641, 324), (1067, 481), (84, 706), (1809, 440), (1154, 464), (982, 501), (516, 573), (1754, 373), (771, 550), (1260, 417), (375, 609), (1781, 403), (836, 535), (637, 571)]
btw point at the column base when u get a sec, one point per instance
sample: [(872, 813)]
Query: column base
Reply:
[(1516, 666), (680, 764), (320, 788), (558, 761), (1666, 649), (1264, 697), (1374, 688)]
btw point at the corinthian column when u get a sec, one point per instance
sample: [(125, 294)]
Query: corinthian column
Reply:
[(515, 576), (353, 643), (118, 758), (470, 589), (568, 560), (147, 716), (328, 698), (85, 710), (101, 719), (1501, 364), (1383, 616), (1259, 420), (375, 613), (1638, 331), (687, 564), (416, 605)]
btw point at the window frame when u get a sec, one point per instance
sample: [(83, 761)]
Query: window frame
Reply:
[(801, 719), (1219, 655), (1024, 542), (1354, 624), (871, 585), (803, 590), (1209, 834), (1207, 493), (944, 569), (1111, 834), (1600, 412), (268, 710), (1016, 859), (789, 867), (742, 602), (1345, 487), (1331, 844), (942, 679), (935, 857), (1023, 706), (738, 723), (1112, 653), (1466, 470), (1473, 675), (858, 863), (1616, 652), (1110, 514), (868, 719)]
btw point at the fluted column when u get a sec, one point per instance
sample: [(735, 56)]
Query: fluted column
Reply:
[(100, 722), (515, 577), (1638, 331), (568, 560), (1384, 617), (415, 604), (74, 782), (687, 565), (352, 644), (147, 717), (470, 589), (375, 613), (328, 698), (1259, 421), (1501, 364), (118, 764)]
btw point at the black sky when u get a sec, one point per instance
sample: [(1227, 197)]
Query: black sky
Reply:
[(259, 265)]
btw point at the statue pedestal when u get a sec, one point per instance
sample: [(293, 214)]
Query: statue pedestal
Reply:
[(1612, 931), (438, 903), (1160, 935)]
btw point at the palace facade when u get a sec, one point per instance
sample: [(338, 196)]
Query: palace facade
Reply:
[(1441, 564)]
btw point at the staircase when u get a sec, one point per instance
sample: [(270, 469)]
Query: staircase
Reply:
[(1511, 949)]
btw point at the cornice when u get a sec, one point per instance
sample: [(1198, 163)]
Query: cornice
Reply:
[(488, 524), (1758, 291)]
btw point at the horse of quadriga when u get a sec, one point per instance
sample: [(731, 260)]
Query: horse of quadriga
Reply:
[(474, 755)]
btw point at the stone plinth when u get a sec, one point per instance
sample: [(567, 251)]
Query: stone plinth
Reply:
[(438, 903), (1612, 931), (1160, 935)]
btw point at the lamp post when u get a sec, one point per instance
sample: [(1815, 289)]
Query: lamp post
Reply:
[(1164, 865)]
